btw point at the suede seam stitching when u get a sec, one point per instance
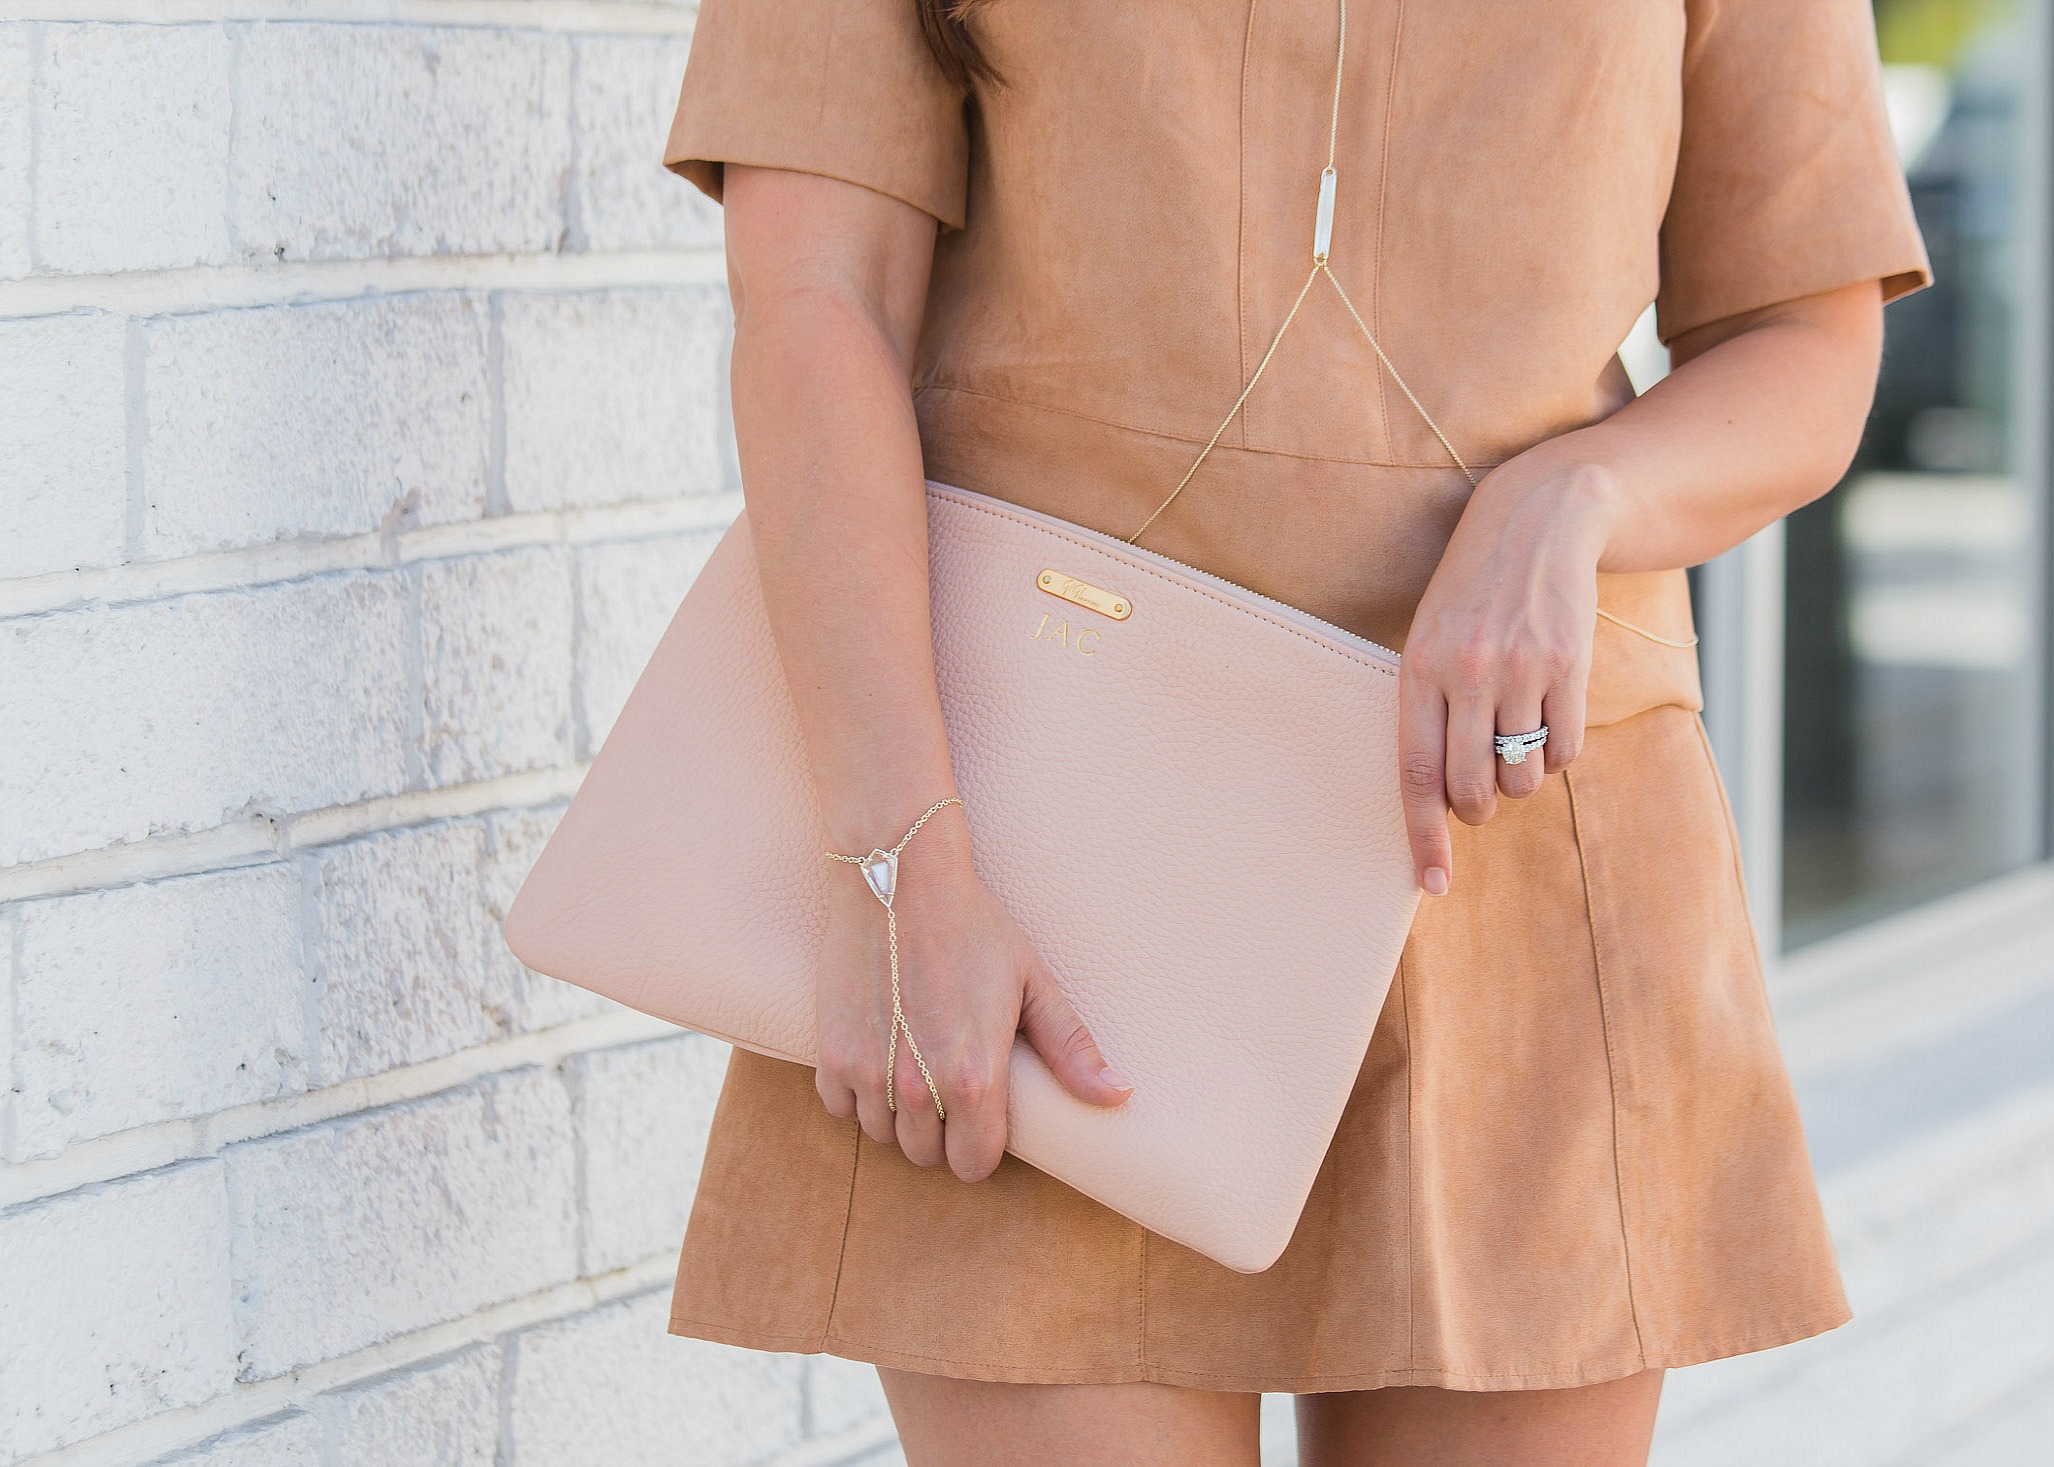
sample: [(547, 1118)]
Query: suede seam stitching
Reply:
[(935, 384), (1241, 224), (1411, 1178), (1376, 259), (1597, 966), (1704, 742), (1141, 1342), (834, 1293)]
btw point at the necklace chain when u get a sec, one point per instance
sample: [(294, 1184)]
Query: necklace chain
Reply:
[(1322, 230)]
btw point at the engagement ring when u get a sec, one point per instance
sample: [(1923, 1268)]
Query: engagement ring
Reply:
[(1513, 748)]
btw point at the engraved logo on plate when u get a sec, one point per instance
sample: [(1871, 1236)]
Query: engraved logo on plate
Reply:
[(1086, 595)]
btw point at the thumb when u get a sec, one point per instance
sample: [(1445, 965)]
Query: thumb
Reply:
[(1058, 1035)]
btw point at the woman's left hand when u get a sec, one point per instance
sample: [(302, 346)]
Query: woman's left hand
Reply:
[(1500, 644)]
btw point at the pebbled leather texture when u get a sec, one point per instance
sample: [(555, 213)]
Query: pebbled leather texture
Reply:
[(1193, 812)]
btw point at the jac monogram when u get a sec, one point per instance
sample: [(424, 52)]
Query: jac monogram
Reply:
[(1062, 637)]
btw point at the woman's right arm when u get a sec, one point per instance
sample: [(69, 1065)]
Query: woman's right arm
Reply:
[(829, 280)]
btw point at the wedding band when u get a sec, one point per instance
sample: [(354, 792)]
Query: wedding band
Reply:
[(1513, 748)]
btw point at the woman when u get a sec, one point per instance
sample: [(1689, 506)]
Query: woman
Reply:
[(1036, 248)]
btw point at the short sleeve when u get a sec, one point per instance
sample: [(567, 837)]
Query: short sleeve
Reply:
[(1787, 180), (846, 88)]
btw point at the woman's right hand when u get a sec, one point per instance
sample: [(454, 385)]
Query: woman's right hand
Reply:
[(969, 980), (829, 282)]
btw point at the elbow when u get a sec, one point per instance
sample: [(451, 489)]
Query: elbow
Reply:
[(1844, 333), (1836, 442), (1838, 430)]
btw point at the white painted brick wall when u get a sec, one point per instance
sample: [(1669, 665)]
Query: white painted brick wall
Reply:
[(154, 1001), (637, 1109), (594, 1392), (63, 487), (292, 1440), (445, 1413), (513, 838), (402, 1217), (131, 147), (496, 663), (471, 151), (182, 713), (14, 150), (117, 1304), (611, 395), (302, 421), (627, 594), (362, 421), (623, 95), (400, 950)]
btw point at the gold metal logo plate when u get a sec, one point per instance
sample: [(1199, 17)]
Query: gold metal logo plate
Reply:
[(1084, 594)]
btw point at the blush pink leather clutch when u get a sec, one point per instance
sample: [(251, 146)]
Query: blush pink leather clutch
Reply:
[(1185, 792)]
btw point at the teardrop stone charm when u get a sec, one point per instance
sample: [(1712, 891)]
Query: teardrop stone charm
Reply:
[(881, 869)]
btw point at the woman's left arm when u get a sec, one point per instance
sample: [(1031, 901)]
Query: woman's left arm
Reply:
[(1760, 414)]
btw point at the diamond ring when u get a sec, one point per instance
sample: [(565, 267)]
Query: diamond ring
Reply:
[(1513, 748)]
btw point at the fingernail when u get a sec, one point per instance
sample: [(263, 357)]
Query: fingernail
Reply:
[(1436, 881), (1114, 1078)]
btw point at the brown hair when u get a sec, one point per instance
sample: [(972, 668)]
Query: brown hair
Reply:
[(962, 59)]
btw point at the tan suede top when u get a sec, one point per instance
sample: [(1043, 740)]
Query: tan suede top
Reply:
[(1128, 216)]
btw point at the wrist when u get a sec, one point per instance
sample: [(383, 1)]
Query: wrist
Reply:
[(941, 846), (1568, 492)]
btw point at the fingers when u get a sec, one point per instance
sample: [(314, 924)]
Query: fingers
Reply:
[(875, 1117), (1422, 777), (918, 1125), (1472, 779), (1563, 711), (975, 1136), (1053, 1027), (837, 1096), (1519, 713), (848, 1072)]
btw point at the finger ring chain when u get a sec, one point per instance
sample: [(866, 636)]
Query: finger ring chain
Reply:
[(881, 870), (1513, 748)]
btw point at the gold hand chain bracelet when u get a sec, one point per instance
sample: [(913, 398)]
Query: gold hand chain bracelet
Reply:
[(881, 871)]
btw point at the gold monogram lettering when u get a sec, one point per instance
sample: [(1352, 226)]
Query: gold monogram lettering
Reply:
[(1060, 635)]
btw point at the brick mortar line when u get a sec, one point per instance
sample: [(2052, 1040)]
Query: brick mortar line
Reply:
[(246, 1404), (124, 1154), (557, 17), (285, 561), (264, 838), (193, 288)]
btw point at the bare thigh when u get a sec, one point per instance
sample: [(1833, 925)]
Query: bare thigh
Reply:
[(944, 1422), (1605, 1425)]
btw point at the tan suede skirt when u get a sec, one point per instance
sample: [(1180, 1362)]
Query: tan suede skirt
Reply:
[(1572, 1154)]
